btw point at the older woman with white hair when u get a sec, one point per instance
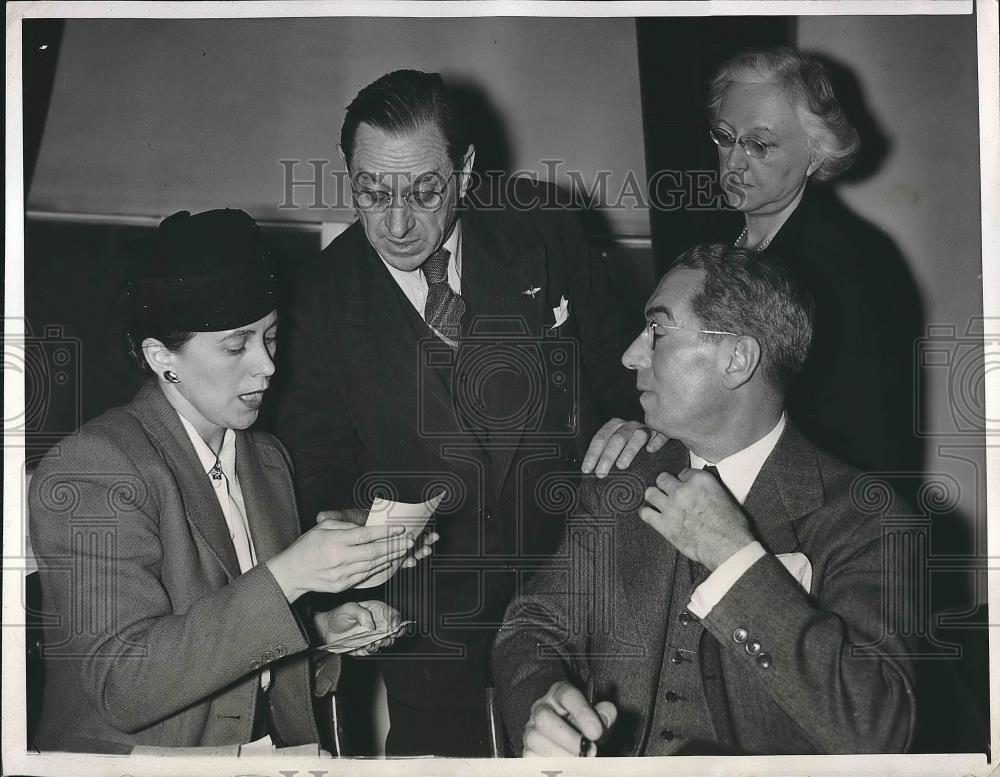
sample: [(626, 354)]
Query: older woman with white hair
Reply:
[(777, 124), (781, 133)]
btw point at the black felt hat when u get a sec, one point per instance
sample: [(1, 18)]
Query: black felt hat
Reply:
[(203, 273)]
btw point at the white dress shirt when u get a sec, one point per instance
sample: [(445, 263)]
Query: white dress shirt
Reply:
[(414, 284), (227, 491), (738, 472)]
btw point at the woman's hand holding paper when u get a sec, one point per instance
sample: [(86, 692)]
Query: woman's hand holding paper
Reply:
[(359, 628), (336, 555)]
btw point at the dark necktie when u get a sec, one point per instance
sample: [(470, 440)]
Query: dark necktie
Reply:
[(712, 470), (444, 308)]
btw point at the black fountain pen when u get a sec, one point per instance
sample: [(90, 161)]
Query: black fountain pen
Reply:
[(591, 692)]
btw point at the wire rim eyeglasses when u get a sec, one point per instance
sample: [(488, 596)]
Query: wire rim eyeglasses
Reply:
[(421, 200), (652, 326), (724, 139)]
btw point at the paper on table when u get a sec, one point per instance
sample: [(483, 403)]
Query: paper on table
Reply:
[(266, 747), (414, 517), (358, 637)]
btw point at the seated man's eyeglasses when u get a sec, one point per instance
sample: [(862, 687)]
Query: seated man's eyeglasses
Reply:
[(424, 200), (723, 139), (652, 333)]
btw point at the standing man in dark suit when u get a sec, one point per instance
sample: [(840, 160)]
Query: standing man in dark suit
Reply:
[(738, 610), (445, 342)]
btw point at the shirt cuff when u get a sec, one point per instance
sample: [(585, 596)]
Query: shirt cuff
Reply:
[(717, 584)]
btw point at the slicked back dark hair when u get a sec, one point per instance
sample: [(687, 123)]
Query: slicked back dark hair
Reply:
[(404, 101), (754, 294)]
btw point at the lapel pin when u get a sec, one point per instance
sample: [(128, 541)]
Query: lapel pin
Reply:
[(531, 292)]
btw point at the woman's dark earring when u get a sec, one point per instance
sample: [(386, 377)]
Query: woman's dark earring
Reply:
[(170, 376)]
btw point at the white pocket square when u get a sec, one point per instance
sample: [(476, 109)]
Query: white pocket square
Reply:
[(561, 313), (798, 566)]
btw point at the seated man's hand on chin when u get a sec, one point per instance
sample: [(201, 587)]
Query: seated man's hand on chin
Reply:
[(561, 719), (374, 616), (617, 443)]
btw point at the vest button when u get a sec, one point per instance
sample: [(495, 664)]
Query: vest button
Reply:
[(670, 696), (764, 661), (740, 635), (753, 647), (686, 618), (667, 735), (677, 658)]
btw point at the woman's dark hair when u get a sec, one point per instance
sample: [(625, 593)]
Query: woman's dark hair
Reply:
[(172, 341)]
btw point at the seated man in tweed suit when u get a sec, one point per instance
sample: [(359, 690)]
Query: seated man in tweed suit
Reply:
[(733, 610)]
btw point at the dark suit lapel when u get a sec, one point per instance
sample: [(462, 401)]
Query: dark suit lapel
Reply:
[(788, 487), (496, 271), (201, 508), (388, 351), (257, 483)]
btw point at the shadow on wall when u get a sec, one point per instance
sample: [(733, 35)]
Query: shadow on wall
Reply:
[(630, 269), (951, 646), (875, 146), (486, 126)]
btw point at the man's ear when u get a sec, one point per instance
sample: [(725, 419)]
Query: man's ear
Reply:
[(157, 355), (468, 162), (744, 360), (340, 151)]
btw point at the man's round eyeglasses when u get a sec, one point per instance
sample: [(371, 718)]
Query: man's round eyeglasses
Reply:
[(756, 148), (422, 200)]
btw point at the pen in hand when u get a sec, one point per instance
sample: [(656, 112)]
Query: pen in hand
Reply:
[(591, 694)]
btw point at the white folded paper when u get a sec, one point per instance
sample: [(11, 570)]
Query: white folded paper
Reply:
[(359, 636), (413, 517)]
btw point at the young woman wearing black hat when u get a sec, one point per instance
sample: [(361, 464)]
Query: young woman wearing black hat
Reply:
[(166, 531)]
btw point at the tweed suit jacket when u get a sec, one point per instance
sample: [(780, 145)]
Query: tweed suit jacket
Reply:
[(838, 680), (154, 637)]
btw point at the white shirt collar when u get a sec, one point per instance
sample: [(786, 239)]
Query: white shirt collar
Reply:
[(739, 470), (453, 245), (227, 456)]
